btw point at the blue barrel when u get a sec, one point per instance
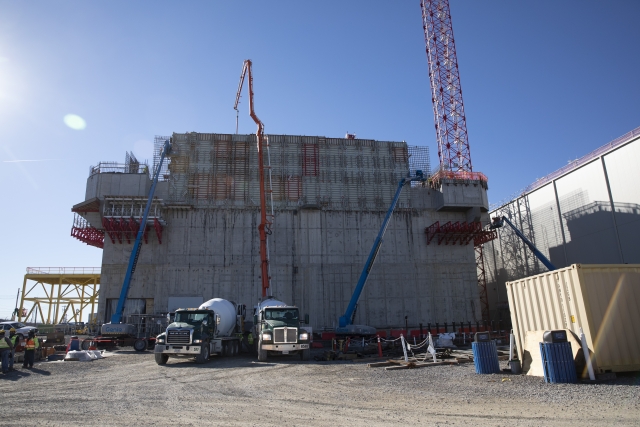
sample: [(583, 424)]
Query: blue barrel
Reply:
[(485, 357), (557, 363)]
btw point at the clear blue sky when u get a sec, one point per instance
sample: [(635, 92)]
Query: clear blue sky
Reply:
[(543, 81)]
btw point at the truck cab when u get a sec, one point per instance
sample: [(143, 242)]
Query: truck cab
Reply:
[(277, 330)]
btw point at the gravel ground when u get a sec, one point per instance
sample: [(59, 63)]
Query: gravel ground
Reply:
[(128, 388)]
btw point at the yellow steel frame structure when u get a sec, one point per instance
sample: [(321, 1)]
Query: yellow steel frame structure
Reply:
[(66, 290)]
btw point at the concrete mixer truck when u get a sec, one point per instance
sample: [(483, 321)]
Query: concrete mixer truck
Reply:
[(213, 328), (277, 330)]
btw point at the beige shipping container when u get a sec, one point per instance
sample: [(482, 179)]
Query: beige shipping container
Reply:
[(603, 299)]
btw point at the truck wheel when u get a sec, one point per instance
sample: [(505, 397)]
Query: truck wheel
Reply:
[(85, 344), (305, 354), (236, 348), (161, 359), (262, 354), (203, 357), (224, 350), (140, 344)]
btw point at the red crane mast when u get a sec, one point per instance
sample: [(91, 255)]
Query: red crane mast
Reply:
[(446, 92), (264, 227)]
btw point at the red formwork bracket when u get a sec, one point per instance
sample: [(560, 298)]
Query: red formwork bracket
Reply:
[(484, 236), (446, 230), (432, 230), (158, 227), (125, 228), (91, 236), (110, 225), (86, 233), (459, 232), (453, 233), (145, 234), (119, 229), (133, 228)]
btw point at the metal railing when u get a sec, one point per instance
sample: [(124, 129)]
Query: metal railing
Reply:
[(115, 167), (582, 160), (63, 270)]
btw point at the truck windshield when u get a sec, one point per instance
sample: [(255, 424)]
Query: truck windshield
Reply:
[(190, 317), (281, 314)]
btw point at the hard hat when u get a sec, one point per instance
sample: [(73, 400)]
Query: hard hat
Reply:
[(12, 330)]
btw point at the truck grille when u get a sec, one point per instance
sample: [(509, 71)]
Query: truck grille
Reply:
[(285, 335), (178, 337)]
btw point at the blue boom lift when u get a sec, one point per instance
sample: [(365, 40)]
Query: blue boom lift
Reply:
[(116, 332), (498, 222), (345, 324)]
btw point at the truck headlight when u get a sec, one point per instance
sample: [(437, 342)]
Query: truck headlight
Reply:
[(304, 336), (266, 337), (197, 341), (160, 340)]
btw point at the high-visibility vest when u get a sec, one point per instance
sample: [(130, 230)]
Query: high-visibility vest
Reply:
[(32, 344), (13, 339), (3, 343)]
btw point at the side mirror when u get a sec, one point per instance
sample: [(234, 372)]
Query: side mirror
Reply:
[(217, 319), (255, 319), (306, 319), (205, 323)]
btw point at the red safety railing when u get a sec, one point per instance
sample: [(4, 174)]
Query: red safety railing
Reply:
[(459, 175)]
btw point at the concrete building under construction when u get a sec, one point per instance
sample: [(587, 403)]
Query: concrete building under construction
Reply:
[(329, 197)]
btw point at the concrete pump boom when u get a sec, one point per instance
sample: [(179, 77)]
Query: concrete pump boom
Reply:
[(264, 227)]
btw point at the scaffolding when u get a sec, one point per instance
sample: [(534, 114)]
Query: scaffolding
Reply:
[(220, 170), (515, 255), (58, 294)]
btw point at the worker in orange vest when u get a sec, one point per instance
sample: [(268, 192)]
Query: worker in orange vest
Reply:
[(30, 349)]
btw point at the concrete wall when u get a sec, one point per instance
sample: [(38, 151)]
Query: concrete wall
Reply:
[(590, 215), (117, 184), (317, 257)]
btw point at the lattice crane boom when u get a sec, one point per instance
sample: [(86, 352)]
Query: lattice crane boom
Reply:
[(264, 227), (446, 92)]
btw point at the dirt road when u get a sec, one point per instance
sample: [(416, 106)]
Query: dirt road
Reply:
[(130, 389)]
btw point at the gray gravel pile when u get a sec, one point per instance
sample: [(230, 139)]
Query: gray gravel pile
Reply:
[(461, 382), (130, 389)]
